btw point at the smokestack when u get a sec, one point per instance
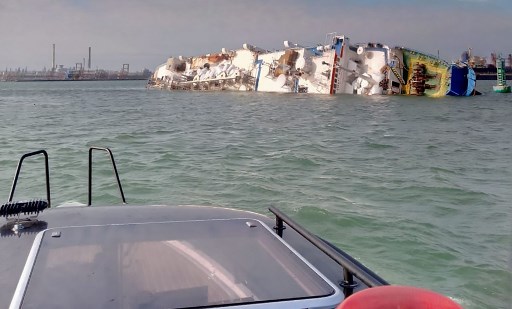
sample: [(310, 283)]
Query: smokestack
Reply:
[(53, 60), (89, 62)]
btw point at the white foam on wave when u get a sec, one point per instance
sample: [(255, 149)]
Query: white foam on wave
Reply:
[(464, 303)]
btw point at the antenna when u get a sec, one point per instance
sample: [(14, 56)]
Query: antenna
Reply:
[(53, 59)]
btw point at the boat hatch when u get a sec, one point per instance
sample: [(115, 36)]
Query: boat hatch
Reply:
[(177, 264)]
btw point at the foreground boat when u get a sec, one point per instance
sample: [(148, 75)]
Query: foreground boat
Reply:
[(332, 68), (158, 256)]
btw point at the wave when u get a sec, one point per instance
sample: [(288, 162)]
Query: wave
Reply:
[(379, 146)]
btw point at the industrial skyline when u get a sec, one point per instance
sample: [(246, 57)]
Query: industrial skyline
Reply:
[(55, 65), (145, 33), (85, 64)]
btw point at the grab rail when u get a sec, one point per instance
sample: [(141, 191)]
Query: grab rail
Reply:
[(115, 172), (351, 267), (18, 169)]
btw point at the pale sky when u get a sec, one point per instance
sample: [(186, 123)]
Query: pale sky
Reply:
[(144, 33)]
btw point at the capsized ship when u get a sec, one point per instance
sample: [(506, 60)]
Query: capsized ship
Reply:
[(335, 67)]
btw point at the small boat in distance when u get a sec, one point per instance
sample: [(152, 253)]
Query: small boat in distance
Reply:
[(501, 86), (162, 256)]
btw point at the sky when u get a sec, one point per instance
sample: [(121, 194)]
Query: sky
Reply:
[(144, 33)]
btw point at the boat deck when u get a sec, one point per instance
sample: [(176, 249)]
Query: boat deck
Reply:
[(141, 256)]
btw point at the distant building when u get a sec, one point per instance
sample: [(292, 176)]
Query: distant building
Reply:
[(508, 60), (473, 61)]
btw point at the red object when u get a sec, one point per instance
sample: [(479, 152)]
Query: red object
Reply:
[(398, 297)]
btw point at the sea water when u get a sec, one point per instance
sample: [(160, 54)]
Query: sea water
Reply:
[(418, 189)]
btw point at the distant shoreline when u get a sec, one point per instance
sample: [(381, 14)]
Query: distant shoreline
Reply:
[(490, 73), (68, 80), (481, 74), (81, 75)]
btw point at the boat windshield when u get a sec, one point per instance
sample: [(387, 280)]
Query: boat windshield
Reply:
[(182, 264)]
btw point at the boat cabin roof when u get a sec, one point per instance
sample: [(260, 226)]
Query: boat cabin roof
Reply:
[(180, 264)]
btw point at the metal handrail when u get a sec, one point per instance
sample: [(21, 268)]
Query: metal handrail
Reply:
[(115, 172), (18, 169), (351, 267)]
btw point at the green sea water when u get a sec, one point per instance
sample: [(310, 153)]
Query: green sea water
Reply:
[(417, 189)]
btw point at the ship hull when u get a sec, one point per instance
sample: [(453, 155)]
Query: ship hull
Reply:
[(462, 80), (424, 75)]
